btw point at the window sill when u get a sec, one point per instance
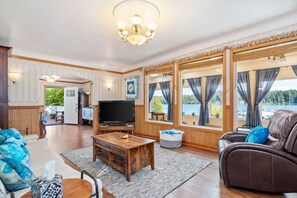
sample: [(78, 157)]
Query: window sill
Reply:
[(158, 122), (205, 128)]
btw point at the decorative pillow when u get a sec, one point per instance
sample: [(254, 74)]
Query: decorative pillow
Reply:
[(2, 139), (7, 133), (258, 135), (15, 176), (15, 151)]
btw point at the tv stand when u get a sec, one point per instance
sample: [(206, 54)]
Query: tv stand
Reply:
[(100, 128), (106, 128)]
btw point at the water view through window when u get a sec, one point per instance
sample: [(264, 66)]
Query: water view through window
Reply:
[(282, 95)]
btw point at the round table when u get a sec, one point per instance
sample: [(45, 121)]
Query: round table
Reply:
[(73, 188)]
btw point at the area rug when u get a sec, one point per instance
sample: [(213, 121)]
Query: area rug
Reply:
[(171, 170)]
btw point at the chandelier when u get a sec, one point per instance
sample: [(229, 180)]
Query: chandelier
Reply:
[(136, 20), (51, 78), (276, 59)]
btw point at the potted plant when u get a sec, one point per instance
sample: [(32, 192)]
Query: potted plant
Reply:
[(193, 114)]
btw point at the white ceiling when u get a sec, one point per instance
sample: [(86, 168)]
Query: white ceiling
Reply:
[(84, 32)]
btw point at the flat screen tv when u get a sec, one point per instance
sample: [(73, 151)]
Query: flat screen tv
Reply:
[(116, 112)]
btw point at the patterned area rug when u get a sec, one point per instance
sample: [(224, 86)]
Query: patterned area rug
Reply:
[(171, 170)]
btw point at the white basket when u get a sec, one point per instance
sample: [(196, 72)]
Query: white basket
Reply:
[(171, 141)]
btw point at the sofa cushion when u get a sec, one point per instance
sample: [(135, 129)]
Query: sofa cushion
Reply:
[(258, 135), (280, 126), (14, 175)]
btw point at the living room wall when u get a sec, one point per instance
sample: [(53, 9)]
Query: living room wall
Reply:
[(25, 96), (27, 90)]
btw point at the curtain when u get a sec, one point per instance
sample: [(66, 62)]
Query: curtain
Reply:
[(152, 88), (212, 83), (165, 88), (264, 81), (195, 85), (243, 88), (294, 67)]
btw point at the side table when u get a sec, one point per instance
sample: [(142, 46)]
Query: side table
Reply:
[(73, 188)]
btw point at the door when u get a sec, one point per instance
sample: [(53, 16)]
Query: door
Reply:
[(71, 105)]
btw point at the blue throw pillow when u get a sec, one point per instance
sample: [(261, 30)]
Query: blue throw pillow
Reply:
[(8, 133), (15, 176), (2, 139), (14, 151), (258, 135)]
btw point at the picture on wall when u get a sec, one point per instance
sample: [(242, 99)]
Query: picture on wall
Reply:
[(131, 87)]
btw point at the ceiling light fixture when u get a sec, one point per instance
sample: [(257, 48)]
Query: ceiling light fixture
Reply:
[(276, 59), (136, 21), (51, 78)]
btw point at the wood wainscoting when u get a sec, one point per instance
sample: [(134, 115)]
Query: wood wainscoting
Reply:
[(196, 137), (22, 117)]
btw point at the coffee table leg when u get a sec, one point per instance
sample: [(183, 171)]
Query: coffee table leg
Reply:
[(152, 155), (128, 166)]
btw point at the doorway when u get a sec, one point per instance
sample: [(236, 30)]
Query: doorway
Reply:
[(54, 105)]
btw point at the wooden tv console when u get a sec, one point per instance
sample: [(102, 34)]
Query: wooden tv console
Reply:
[(103, 128)]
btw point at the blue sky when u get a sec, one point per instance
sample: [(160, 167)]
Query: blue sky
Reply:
[(284, 85)]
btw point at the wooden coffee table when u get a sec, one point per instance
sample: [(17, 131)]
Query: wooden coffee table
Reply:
[(125, 155), (72, 188)]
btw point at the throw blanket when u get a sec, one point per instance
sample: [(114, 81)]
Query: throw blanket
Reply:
[(172, 132)]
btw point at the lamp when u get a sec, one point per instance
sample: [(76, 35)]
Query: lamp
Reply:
[(108, 85), (136, 21), (14, 76), (51, 78)]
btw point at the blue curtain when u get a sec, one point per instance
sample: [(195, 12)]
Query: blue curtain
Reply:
[(212, 83), (294, 67), (195, 85), (165, 88), (152, 88), (264, 81), (243, 88)]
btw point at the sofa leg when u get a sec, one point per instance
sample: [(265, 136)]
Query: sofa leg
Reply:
[(95, 182)]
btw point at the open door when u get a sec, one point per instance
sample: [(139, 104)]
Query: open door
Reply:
[(71, 105)]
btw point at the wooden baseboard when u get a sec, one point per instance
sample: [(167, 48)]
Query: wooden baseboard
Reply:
[(184, 143)]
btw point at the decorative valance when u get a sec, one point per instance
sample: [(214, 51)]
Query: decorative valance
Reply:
[(289, 31)]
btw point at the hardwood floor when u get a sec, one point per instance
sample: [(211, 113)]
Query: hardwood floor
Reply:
[(207, 183)]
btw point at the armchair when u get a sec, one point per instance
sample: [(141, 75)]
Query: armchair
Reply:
[(269, 167)]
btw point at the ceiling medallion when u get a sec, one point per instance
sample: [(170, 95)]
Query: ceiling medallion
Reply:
[(136, 21)]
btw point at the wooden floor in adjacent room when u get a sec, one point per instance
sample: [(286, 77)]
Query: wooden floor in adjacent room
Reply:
[(207, 183)]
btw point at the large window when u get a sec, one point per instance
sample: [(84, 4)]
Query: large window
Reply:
[(159, 97), (202, 97), (265, 85)]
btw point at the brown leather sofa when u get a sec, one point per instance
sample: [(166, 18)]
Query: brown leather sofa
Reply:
[(269, 167)]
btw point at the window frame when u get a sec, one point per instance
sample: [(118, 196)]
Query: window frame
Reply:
[(205, 62), (164, 69)]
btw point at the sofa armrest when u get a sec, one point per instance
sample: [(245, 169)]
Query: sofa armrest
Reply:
[(235, 136), (30, 138), (248, 165)]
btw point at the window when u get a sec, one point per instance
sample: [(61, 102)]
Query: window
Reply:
[(271, 86), (159, 97), (282, 95), (202, 97)]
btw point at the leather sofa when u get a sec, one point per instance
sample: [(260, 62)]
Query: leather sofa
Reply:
[(269, 167)]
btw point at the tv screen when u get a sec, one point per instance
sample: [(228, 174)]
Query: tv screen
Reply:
[(119, 111)]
